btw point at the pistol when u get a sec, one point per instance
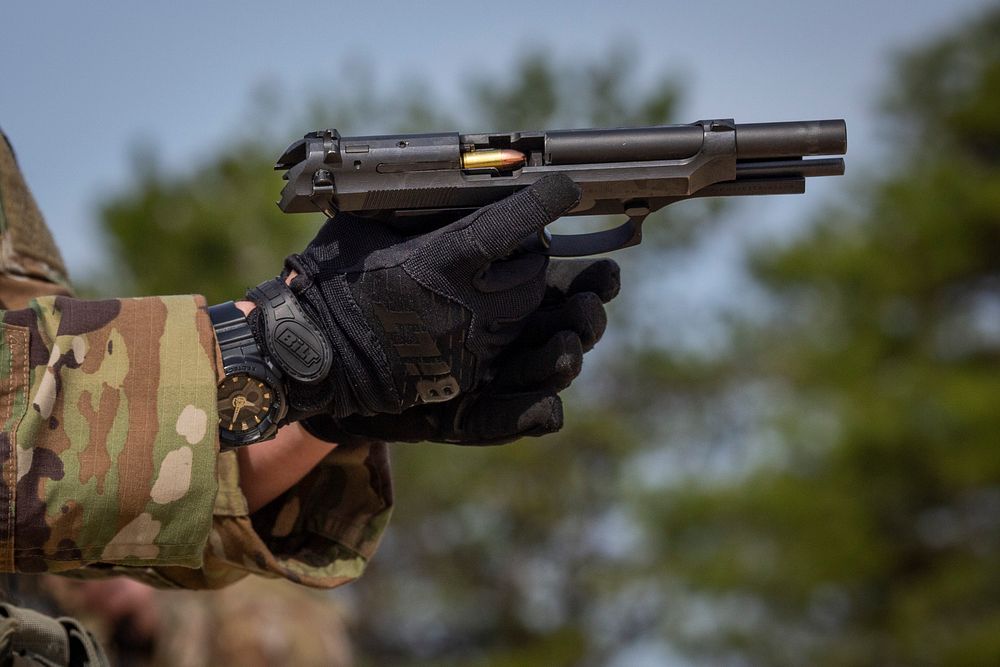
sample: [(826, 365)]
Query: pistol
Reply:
[(409, 180)]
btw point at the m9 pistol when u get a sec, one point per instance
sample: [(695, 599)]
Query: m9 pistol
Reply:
[(409, 179)]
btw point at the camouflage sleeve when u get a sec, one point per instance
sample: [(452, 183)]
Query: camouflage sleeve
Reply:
[(108, 458), (106, 451), (320, 533)]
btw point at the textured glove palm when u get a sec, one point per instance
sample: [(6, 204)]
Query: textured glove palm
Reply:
[(419, 320)]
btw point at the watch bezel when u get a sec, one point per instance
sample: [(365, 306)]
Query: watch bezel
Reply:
[(269, 425)]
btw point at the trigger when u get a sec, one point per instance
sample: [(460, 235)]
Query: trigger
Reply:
[(637, 208)]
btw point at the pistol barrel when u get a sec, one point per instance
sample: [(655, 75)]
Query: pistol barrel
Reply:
[(754, 141)]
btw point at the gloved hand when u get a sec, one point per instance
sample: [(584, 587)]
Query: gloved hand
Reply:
[(418, 320), (522, 398)]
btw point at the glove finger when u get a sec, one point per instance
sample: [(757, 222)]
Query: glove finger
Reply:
[(514, 271), (567, 277), (499, 228), (582, 314), (414, 425), (551, 367), (357, 430), (485, 419), (497, 419)]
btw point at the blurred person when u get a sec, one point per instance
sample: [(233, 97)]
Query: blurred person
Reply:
[(255, 622)]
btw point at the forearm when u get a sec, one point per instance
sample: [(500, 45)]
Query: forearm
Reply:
[(268, 469)]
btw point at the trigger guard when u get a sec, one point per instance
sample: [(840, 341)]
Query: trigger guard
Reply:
[(627, 234)]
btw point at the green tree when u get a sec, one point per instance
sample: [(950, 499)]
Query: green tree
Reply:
[(868, 529)]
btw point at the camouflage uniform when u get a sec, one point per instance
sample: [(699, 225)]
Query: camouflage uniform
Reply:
[(109, 455)]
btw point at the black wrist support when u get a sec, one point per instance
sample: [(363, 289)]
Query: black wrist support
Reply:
[(296, 344)]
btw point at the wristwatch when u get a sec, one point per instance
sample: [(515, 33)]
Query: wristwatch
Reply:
[(251, 397)]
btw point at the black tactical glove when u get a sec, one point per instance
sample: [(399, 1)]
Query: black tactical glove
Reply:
[(417, 320), (522, 397)]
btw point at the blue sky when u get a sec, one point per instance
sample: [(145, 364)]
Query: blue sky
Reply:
[(83, 82)]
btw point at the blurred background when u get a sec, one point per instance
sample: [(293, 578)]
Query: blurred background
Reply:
[(786, 451)]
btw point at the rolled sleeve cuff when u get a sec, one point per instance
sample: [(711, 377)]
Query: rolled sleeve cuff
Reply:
[(320, 533), (109, 451)]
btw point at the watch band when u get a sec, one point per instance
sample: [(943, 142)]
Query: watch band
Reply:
[(245, 363), (233, 334), (295, 343)]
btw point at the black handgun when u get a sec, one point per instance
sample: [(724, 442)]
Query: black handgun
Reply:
[(411, 178)]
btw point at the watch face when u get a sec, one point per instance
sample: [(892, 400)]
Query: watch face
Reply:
[(248, 408)]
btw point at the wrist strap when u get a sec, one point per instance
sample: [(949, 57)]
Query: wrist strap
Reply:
[(233, 333), (297, 346)]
